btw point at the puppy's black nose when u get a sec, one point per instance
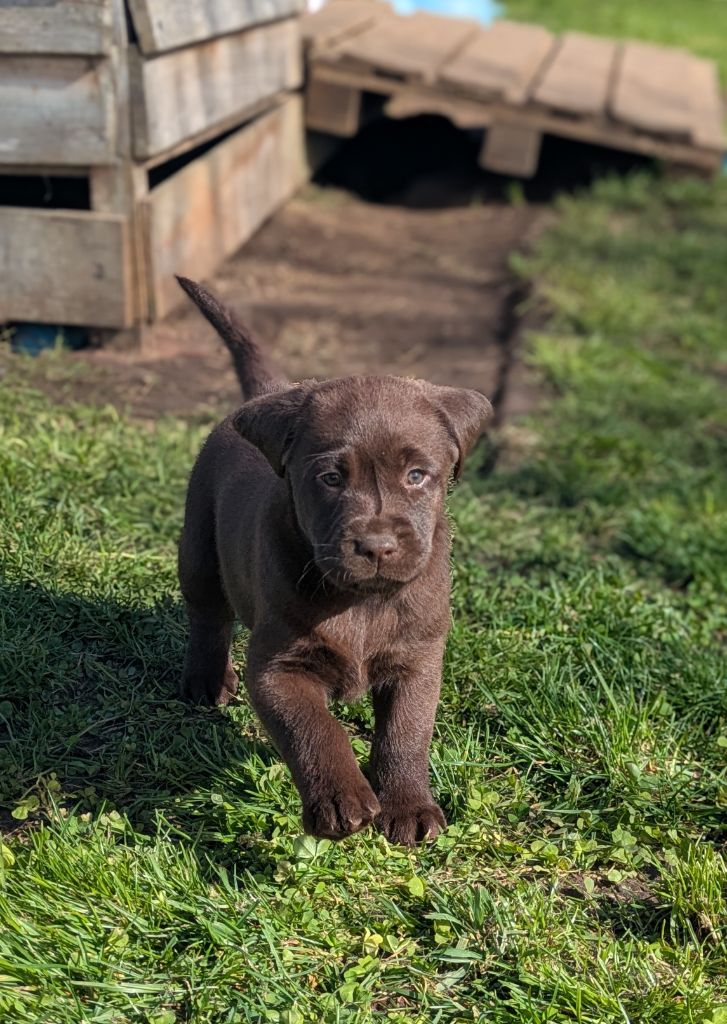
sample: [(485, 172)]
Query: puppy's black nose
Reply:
[(375, 547)]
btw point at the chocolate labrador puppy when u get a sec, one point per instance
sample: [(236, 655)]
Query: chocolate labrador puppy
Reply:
[(316, 516)]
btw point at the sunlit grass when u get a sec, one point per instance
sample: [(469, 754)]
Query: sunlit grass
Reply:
[(153, 868)]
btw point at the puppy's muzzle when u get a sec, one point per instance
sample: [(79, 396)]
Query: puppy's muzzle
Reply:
[(376, 548), (379, 556)]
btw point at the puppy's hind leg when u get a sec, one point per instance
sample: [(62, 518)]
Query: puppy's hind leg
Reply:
[(208, 676)]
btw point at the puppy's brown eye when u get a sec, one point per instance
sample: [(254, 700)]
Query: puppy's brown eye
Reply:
[(416, 476), (332, 479)]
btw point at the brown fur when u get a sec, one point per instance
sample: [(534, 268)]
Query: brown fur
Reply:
[(306, 520)]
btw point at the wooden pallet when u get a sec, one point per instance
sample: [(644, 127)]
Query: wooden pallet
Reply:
[(516, 80), (80, 99)]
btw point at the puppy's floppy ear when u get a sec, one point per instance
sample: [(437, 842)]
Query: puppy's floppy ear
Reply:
[(463, 413), (269, 422)]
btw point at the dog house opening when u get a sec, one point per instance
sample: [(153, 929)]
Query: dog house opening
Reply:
[(427, 162)]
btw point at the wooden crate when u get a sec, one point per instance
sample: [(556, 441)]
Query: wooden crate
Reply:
[(79, 97)]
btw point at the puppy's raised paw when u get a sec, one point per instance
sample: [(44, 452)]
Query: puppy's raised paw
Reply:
[(409, 824), (340, 807)]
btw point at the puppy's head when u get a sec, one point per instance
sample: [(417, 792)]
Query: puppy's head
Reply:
[(368, 460)]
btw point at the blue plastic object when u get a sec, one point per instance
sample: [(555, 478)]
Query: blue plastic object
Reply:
[(32, 339), (481, 10)]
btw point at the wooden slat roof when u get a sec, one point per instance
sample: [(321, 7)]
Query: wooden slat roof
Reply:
[(629, 86), (578, 78), (500, 62)]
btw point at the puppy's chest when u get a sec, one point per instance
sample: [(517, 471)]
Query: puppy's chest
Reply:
[(358, 648)]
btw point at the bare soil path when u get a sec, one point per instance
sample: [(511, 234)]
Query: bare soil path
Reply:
[(332, 285)]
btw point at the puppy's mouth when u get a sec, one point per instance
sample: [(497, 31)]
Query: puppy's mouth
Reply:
[(377, 584), (375, 581)]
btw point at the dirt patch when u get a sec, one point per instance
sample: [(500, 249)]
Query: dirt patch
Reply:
[(332, 285)]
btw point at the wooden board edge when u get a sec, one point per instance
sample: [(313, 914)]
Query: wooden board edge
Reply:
[(73, 314), (63, 33), (147, 148), (215, 131), (152, 46), (512, 149), (314, 46), (413, 102), (601, 132), (100, 143), (332, 109), (140, 19), (138, 119)]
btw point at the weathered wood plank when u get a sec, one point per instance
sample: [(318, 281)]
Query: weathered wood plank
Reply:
[(414, 101), (512, 149), (208, 209), (63, 267), (56, 110), (120, 189), (81, 27), (334, 22), (651, 89), (487, 110), (669, 150), (500, 62), (180, 95), (333, 109), (229, 124), (168, 24), (707, 111), (412, 47), (577, 78)]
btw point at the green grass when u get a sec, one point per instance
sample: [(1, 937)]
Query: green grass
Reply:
[(153, 869), (699, 25)]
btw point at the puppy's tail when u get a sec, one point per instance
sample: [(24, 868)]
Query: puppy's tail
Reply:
[(256, 377)]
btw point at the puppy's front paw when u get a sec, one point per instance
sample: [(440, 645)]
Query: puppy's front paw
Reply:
[(410, 822), (339, 807), (201, 689)]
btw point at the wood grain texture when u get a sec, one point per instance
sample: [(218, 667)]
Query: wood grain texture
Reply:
[(180, 95), (208, 209), (413, 101), (669, 150), (168, 24), (412, 47), (707, 111), (578, 77), (80, 27), (651, 90), (481, 110), (511, 149), (56, 110), (63, 267), (334, 22), (334, 109), (500, 62)]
